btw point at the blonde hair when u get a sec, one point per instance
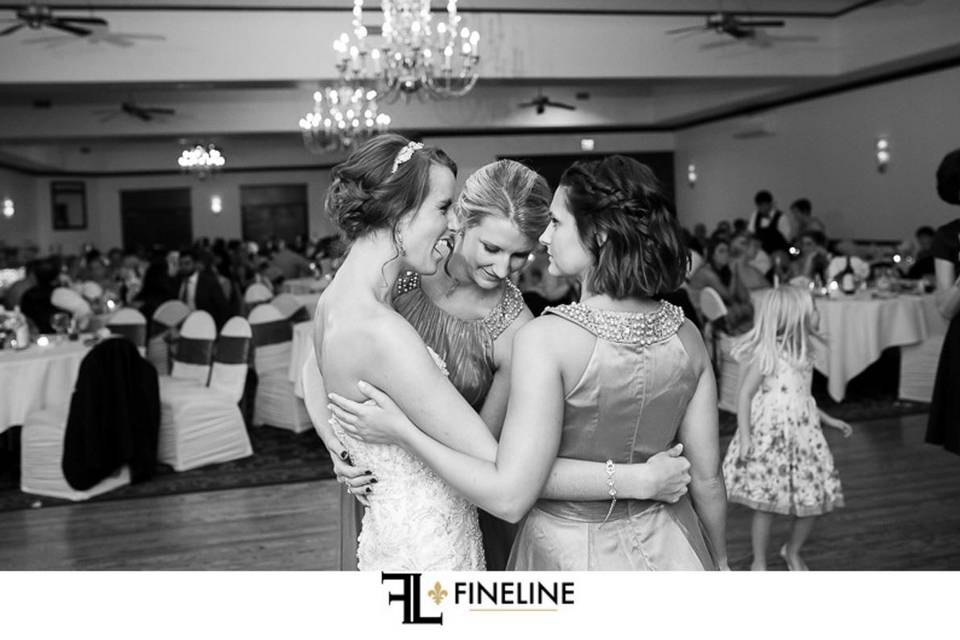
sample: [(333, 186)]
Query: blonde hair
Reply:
[(506, 189), (783, 327)]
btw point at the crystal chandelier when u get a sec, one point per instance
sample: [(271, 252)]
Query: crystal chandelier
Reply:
[(415, 55), (201, 160), (342, 116)]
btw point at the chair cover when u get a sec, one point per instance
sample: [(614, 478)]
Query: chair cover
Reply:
[(195, 348), (203, 425), (276, 404), (130, 324), (711, 304), (166, 319), (106, 438), (231, 358), (257, 293), (41, 456), (291, 308)]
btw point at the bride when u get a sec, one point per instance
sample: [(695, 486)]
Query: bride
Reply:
[(390, 200)]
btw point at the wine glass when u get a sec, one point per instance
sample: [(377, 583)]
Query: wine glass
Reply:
[(60, 322)]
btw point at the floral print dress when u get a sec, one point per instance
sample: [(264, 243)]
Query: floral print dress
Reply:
[(788, 469)]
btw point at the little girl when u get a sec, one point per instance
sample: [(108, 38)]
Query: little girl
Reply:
[(778, 461)]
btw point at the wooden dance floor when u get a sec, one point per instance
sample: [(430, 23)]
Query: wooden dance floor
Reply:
[(903, 512)]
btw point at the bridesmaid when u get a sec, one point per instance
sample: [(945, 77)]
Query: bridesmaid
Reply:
[(615, 377), (943, 427), (469, 312)]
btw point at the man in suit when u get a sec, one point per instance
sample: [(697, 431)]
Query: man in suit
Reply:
[(200, 288)]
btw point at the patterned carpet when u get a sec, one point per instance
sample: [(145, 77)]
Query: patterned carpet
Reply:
[(282, 457), (279, 457)]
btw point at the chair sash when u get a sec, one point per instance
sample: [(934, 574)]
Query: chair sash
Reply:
[(135, 333), (300, 315), (232, 350), (270, 333), (194, 351)]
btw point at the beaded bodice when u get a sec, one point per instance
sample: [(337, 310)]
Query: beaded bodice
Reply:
[(631, 398), (465, 346), (624, 327)]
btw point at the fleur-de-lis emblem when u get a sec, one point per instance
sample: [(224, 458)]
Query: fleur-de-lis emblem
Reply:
[(438, 593)]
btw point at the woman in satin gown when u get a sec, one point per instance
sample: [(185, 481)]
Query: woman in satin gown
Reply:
[(412, 520), (615, 377)]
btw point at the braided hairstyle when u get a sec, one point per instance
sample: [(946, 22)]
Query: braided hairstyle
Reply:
[(364, 196), (625, 221)]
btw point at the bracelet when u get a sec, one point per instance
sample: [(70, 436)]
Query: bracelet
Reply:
[(612, 491)]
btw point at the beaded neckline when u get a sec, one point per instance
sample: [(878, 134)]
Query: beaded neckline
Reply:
[(625, 327), (494, 323)]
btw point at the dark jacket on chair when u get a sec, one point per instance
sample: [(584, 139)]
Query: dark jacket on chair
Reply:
[(114, 416)]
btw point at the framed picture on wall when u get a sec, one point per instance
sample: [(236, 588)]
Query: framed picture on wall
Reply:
[(69, 204)]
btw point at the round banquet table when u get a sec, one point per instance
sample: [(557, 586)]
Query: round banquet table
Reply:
[(857, 330), (37, 377)]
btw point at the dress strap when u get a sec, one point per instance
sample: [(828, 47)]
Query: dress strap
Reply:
[(408, 281), (624, 327), (506, 311)]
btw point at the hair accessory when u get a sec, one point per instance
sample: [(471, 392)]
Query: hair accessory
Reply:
[(405, 154)]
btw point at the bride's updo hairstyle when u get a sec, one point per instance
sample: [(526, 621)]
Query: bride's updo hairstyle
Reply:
[(370, 191), (506, 189), (625, 221)]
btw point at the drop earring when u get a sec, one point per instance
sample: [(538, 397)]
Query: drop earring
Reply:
[(399, 243)]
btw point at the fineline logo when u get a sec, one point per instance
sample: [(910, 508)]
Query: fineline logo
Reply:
[(497, 596), (410, 598)]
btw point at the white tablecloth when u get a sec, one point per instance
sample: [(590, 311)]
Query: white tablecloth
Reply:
[(35, 378), (308, 300), (302, 345), (858, 330), (299, 286)]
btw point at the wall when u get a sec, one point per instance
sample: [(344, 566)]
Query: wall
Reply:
[(21, 228), (103, 194), (824, 150)]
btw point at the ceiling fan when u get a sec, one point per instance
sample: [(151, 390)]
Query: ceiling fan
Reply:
[(731, 25), (135, 110), (541, 102), (37, 16)]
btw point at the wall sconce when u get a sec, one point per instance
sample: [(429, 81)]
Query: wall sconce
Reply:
[(216, 204), (8, 209), (692, 175), (586, 144), (883, 154)]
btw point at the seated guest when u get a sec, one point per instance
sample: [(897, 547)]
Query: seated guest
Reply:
[(740, 225), (814, 259), (291, 265), (743, 251), (200, 288), (35, 303), (717, 274), (15, 291), (923, 259), (157, 288), (804, 219)]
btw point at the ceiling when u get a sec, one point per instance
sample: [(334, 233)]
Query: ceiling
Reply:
[(242, 71)]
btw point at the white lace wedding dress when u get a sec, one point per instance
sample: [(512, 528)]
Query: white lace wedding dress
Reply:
[(415, 521)]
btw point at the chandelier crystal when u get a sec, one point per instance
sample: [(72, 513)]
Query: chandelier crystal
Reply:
[(441, 60), (342, 116), (201, 160)]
